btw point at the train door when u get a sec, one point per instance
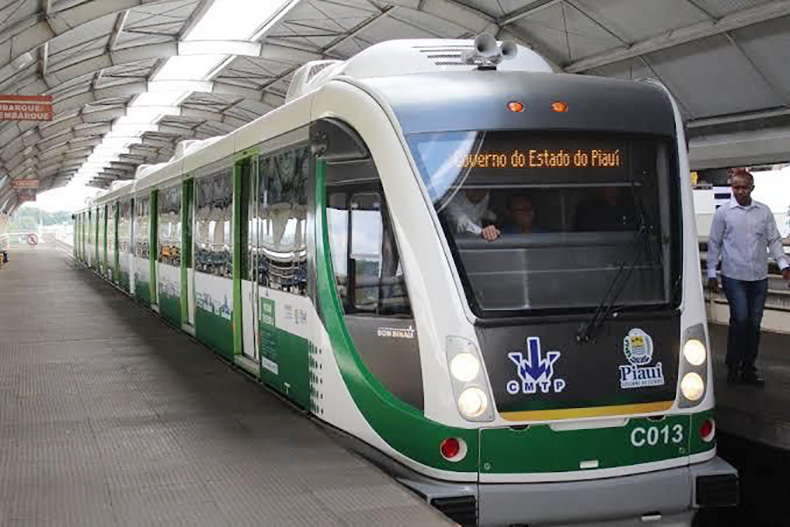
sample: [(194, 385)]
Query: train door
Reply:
[(76, 240), (153, 248), (116, 262), (187, 255), (78, 236), (142, 249), (168, 267), (84, 235), (284, 305), (124, 253), (246, 287), (105, 240), (97, 239), (132, 246)]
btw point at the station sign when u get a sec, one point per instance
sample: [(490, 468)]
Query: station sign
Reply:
[(25, 107), (25, 189), (24, 184)]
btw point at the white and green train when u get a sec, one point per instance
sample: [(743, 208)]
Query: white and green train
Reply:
[(484, 274)]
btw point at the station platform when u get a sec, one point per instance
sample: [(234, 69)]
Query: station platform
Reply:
[(756, 413), (108, 417)]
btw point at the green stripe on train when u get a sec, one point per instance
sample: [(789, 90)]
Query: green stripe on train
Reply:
[(402, 426), (539, 449), (170, 308), (142, 291), (215, 332), (293, 370), (124, 281)]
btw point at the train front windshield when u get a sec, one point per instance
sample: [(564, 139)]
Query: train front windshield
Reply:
[(555, 221)]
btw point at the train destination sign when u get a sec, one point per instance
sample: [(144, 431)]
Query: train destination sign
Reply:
[(544, 158), (25, 107)]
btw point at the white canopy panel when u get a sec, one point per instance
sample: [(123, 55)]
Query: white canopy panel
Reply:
[(725, 61)]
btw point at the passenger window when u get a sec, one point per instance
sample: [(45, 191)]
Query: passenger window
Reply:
[(124, 227), (367, 267), (283, 221), (141, 225), (170, 226), (213, 240), (366, 248)]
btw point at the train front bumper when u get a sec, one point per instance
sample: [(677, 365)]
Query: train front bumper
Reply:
[(665, 497)]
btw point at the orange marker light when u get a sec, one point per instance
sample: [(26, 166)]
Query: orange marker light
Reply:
[(559, 106), (515, 106)]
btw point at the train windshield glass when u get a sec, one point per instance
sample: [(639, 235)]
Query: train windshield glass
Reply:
[(555, 221)]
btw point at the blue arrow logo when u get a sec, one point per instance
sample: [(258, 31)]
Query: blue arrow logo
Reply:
[(534, 370)]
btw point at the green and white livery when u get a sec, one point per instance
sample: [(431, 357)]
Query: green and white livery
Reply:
[(482, 273)]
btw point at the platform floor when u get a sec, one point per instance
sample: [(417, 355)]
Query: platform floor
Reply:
[(108, 417), (760, 414)]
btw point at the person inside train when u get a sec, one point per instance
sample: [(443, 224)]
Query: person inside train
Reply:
[(469, 212), (520, 216), (608, 209)]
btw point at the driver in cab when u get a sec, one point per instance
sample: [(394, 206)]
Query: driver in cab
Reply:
[(470, 213)]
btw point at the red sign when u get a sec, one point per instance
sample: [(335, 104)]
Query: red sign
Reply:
[(24, 184), (25, 107)]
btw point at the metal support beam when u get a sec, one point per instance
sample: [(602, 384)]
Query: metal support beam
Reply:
[(738, 118), (525, 11), (778, 91), (116, 31), (684, 35), (356, 30), (43, 60)]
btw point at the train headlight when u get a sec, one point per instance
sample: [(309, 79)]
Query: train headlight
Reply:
[(467, 376), (692, 386), (695, 352), (473, 402), (464, 367)]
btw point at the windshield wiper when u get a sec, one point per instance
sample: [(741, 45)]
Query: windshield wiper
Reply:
[(645, 227), (589, 329)]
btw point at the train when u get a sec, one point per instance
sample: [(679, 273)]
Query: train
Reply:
[(482, 273)]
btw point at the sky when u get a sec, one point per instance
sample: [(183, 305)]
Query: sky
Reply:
[(773, 189), (68, 198)]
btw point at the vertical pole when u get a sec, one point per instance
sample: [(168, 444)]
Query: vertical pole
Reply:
[(238, 341)]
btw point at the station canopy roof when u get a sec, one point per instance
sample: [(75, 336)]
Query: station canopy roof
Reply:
[(120, 100)]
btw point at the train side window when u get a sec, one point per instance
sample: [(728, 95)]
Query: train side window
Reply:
[(365, 256), (283, 221), (170, 226), (214, 216), (141, 249), (124, 227), (222, 219), (202, 222)]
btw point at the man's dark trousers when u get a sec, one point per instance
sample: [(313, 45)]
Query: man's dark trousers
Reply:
[(746, 300)]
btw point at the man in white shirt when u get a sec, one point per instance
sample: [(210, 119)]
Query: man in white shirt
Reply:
[(469, 209), (742, 233)]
